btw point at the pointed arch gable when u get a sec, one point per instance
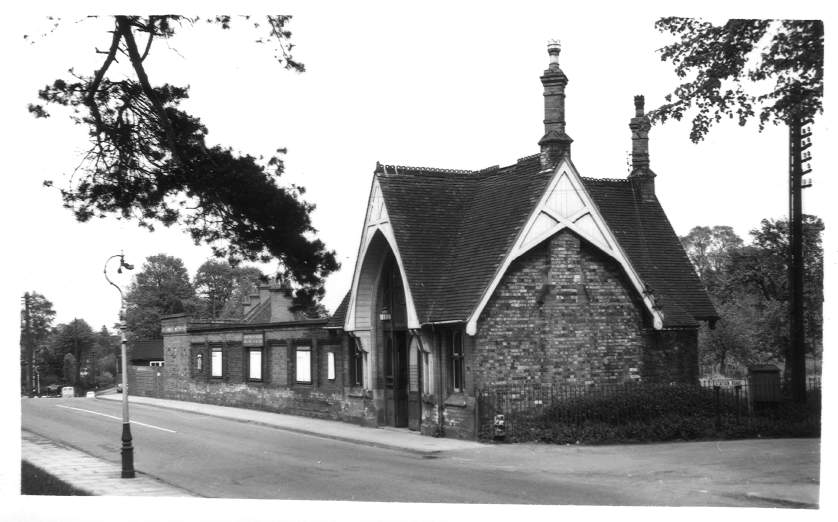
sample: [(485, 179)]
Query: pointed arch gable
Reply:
[(376, 239), (566, 204)]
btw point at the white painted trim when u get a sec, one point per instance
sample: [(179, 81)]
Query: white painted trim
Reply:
[(523, 243), (371, 226), (350, 309)]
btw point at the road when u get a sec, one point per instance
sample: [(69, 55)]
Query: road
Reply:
[(217, 457)]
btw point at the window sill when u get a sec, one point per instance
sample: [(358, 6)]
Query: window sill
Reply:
[(357, 393), (457, 400)]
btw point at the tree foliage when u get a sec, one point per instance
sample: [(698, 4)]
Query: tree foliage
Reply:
[(148, 159), (749, 287), (220, 287), (768, 69), (41, 316), (709, 249), (161, 287), (74, 339), (247, 281), (36, 317)]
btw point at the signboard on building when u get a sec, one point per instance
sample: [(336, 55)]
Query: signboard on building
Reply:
[(257, 339)]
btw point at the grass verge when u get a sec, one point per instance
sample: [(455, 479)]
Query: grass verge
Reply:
[(35, 481)]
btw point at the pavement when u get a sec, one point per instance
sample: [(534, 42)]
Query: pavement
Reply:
[(766, 473), (92, 475), (380, 437)]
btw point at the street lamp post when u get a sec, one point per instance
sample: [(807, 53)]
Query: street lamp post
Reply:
[(127, 446)]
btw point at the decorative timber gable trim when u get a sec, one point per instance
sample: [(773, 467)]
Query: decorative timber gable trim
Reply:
[(566, 204), (377, 221)]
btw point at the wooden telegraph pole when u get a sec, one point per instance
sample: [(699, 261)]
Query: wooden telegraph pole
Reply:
[(799, 141)]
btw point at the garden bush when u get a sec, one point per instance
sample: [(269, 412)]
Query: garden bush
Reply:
[(649, 413)]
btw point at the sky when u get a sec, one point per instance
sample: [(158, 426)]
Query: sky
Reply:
[(452, 85), (453, 88)]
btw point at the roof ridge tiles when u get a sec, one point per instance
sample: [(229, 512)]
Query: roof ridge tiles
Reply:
[(407, 169), (395, 170), (606, 180)]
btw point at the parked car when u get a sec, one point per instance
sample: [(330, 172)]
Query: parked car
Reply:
[(53, 390)]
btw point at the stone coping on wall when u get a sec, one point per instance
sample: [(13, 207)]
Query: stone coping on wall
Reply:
[(254, 326)]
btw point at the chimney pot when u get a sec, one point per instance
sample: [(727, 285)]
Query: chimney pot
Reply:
[(554, 47), (638, 105)]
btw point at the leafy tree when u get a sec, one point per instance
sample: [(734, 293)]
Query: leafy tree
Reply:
[(162, 287), (214, 284), (750, 290), (221, 287), (107, 349), (36, 316), (75, 339), (709, 249), (730, 343), (762, 268), (246, 282), (148, 159), (69, 368), (41, 315), (768, 69)]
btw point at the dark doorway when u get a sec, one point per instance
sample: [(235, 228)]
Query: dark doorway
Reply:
[(395, 377)]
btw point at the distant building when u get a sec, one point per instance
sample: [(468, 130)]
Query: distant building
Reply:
[(145, 357), (146, 352), (528, 273)]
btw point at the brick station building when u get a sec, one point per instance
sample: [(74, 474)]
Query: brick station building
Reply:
[(527, 273)]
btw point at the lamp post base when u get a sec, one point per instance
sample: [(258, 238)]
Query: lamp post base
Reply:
[(127, 452)]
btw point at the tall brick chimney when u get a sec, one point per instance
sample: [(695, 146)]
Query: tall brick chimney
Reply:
[(555, 143), (641, 175)]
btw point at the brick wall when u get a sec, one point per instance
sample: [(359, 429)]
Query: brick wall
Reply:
[(672, 356), (278, 390), (146, 381), (563, 313)]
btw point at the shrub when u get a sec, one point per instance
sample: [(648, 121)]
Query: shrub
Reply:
[(646, 413)]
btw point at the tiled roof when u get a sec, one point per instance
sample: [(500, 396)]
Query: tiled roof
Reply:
[(261, 313), (453, 229), (647, 238), (337, 319)]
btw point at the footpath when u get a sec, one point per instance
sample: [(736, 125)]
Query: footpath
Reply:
[(381, 437), (90, 474)]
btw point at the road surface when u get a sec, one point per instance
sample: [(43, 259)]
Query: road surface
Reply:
[(217, 457)]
